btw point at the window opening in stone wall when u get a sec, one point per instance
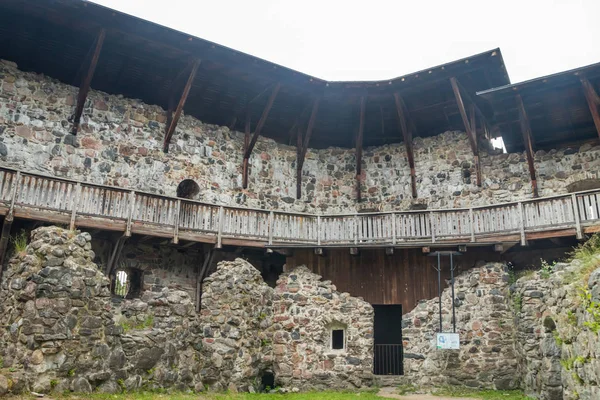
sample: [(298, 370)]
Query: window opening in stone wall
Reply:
[(121, 283), (188, 189), (337, 339), (267, 382)]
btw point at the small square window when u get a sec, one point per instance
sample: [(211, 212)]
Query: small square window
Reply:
[(337, 339)]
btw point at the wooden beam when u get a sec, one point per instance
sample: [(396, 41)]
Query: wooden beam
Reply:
[(115, 255), (407, 136), (262, 120), (526, 131), (471, 135), (593, 102), (359, 145), (304, 148), (84, 87), (6, 225), (172, 122), (246, 144), (201, 275), (298, 163)]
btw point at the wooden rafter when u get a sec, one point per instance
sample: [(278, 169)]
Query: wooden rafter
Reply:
[(246, 144), (407, 135), (172, 122), (359, 145), (262, 120), (526, 131), (471, 134), (302, 144), (84, 87), (593, 101)]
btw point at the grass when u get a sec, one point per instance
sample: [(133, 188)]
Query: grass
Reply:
[(241, 396), (19, 242), (482, 394), (587, 253)]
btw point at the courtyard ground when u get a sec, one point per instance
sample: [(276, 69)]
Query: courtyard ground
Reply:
[(390, 393)]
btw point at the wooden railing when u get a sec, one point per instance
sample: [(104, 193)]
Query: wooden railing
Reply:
[(56, 200)]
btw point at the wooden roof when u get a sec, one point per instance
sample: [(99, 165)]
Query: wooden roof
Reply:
[(141, 59), (556, 107)]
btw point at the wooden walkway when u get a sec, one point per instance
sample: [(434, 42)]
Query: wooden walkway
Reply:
[(78, 204)]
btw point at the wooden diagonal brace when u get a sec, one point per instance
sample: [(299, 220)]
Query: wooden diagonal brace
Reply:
[(201, 275), (359, 146), (84, 87), (471, 134), (304, 145), (593, 101), (172, 122), (262, 120), (407, 135), (526, 131)]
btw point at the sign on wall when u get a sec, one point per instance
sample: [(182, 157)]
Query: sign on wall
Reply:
[(448, 341)]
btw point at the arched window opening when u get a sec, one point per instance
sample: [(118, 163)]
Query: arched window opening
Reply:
[(122, 283), (188, 189)]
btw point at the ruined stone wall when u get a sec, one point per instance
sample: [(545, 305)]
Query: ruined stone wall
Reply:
[(558, 320), (486, 358), (120, 143), (306, 309), (65, 331)]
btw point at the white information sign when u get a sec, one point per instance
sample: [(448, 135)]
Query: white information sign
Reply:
[(448, 341)]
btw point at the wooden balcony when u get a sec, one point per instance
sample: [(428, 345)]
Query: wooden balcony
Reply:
[(62, 201)]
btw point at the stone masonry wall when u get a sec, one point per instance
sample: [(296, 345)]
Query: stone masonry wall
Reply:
[(558, 320), (63, 330), (120, 143), (305, 310), (486, 358)]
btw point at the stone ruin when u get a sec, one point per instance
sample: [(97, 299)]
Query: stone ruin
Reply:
[(64, 332)]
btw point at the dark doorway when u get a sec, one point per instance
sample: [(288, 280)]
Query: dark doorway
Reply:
[(388, 355)]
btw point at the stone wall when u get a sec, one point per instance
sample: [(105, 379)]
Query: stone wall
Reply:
[(120, 143), (486, 358), (306, 309), (65, 331), (558, 319)]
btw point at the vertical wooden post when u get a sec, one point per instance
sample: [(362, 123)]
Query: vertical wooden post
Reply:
[(176, 222), (271, 221), (220, 231), (432, 226), (318, 230), (130, 213), (522, 224), (576, 215), (394, 229), (356, 230), (593, 101), (526, 131), (359, 146), (472, 225), (75, 205), (84, 88)]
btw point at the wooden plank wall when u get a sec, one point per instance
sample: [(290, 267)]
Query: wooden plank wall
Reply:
[(404, 278)]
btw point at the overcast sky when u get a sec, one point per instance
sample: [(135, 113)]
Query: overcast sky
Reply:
[(373, 39)]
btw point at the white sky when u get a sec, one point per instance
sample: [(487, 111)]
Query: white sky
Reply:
[(376, 39)]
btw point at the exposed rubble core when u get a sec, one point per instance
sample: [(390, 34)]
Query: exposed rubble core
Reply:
[(486, 358), (65, 332)]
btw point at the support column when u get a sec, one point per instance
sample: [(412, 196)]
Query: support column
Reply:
[(304, 146)]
